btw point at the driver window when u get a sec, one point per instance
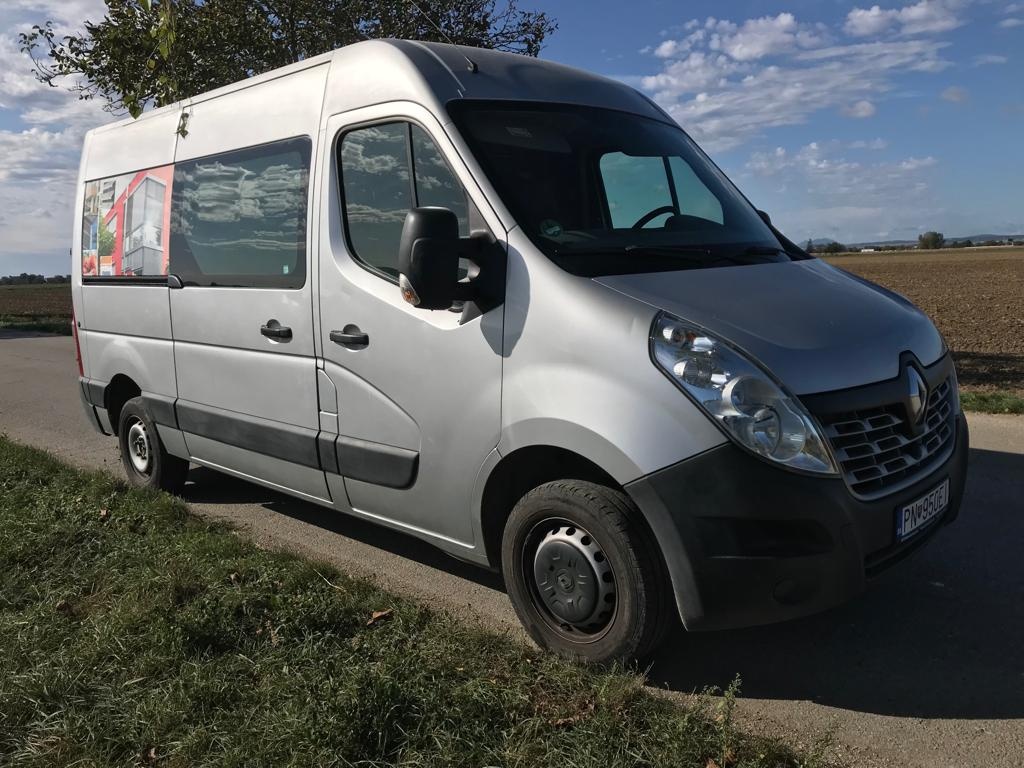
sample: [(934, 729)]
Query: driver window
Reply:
[(386, 170), (634, 186)]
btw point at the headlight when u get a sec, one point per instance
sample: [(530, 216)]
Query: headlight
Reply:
[(737, 394)]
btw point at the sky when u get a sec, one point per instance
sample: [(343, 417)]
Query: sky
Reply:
[(843, 120)]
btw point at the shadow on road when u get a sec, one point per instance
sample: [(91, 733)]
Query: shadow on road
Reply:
[(940, 635), (209, 487)]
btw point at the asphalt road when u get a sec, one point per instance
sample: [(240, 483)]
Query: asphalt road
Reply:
[(925, 669)]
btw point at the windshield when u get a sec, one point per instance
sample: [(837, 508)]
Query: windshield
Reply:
[(606, 192)]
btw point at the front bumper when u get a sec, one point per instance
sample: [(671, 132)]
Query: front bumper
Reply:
[(747, 543)]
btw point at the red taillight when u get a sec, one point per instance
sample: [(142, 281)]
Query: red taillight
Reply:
[(78, 349)]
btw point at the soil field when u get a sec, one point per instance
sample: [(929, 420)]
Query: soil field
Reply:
[(975, 297), (45, 307)]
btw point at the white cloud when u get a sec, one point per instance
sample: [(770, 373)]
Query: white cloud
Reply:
[(914, 163), (860, 109), (40, 152), (924, 17), (989, 58), (1010, 23), (766, 36), (723, 101), (861, 22), (956, 94), (876, 144), (832, 196)]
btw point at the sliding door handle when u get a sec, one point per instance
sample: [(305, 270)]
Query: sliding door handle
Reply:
[(274, 330)]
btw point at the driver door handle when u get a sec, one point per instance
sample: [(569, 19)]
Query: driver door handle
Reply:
[(350, 337)]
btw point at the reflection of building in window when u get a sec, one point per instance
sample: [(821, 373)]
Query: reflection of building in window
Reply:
[(143, 229), (123, 223)]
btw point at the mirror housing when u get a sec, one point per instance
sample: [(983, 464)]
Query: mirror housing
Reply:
[(765, 218), (428, 258)]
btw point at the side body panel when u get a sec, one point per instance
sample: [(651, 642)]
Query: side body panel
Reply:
[(578, 374), (246, 401), (125, 328)]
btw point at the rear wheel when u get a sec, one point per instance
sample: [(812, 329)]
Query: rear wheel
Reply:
[(584, 574), (146, 462)]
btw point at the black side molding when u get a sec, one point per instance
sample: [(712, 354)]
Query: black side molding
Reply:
[(271, 438), (93, 391), (161, 408), (328, 452), (377, 463)]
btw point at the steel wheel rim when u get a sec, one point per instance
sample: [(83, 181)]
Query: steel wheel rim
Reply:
[(139, 449), (549, 547)]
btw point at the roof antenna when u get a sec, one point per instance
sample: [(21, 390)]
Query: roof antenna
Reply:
[(471, 65), (432, 22)]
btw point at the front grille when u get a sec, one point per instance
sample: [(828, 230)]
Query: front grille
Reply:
[(877, 453)]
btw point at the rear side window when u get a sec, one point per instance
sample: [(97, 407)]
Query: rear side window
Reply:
[(238, 219), (386, 170), (125, 225)]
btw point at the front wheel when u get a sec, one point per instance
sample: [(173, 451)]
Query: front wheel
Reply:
[(585, 576), (146, 462)]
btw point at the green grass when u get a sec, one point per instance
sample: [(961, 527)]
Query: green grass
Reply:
[(42, 323), (992, 402), (134, 633)]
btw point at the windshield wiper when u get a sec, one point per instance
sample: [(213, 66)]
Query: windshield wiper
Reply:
[(671, 250), (763, 250)]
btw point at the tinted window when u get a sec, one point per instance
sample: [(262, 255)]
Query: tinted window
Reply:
[(577, 179), (634, 186), (637, 185), (379, 189), (378, 192), (435, 183), (239, 218)]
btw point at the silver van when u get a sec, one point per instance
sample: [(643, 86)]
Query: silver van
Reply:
[(512, 309)]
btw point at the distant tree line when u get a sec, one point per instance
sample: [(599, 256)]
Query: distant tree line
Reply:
[(830, 247), (26, 279), (931, 241)]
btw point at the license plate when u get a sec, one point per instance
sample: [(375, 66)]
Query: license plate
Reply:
[(914, 516)]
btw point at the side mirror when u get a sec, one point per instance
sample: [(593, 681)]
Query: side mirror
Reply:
[(428, 258), (765, 217)]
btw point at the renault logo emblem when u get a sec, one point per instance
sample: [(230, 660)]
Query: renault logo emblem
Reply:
[(917, 400)]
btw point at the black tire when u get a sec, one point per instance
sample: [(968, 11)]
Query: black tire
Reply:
[(546, 527), (158, 468)]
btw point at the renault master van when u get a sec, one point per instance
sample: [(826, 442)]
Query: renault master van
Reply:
[(512, 309)]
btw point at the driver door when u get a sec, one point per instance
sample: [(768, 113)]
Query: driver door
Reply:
[(418, 393)]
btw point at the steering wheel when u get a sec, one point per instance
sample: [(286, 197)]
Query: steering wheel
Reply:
[(647, 218)]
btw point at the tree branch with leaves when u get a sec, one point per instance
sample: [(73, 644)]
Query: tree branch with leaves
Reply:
[(155, 52)]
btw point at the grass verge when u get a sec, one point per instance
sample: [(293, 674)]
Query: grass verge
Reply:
[(42, 323), (134, 633), (992, 402)]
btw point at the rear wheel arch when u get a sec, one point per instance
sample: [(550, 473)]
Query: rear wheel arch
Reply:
[(119, 391)]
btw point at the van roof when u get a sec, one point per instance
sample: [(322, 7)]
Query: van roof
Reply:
[(382, 69)]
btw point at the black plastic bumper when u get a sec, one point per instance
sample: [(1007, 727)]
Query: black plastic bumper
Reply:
[(747, 543)]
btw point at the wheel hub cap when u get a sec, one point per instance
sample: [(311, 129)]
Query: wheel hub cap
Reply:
[(138, 447), (573, 577)]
